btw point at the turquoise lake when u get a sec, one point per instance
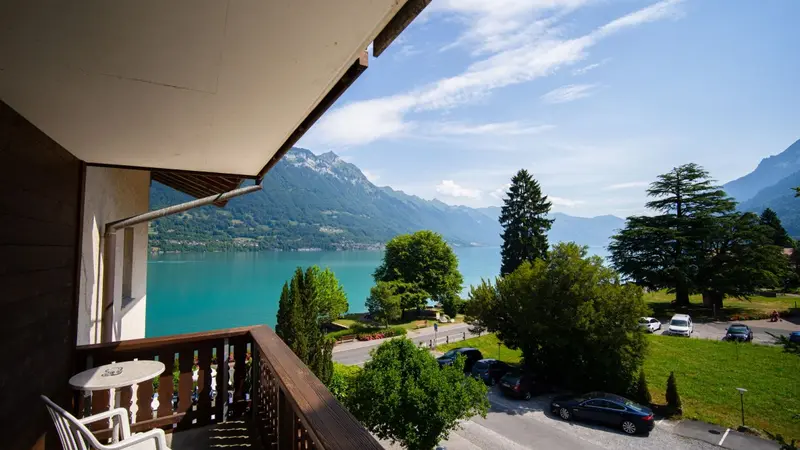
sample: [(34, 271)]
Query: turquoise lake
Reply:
[(191, 292)]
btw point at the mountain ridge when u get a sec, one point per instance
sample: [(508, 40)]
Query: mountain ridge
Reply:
[(770, 185), (321, 202)]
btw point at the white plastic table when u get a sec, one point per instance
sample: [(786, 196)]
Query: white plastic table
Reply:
[(114, 376)]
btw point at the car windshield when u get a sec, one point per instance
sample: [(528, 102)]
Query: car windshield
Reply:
[(643, 320), (679, 323), (450, 354), (739, 329), (481, 365)]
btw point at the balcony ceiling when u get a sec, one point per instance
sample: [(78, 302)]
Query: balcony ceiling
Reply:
[(199, 85)]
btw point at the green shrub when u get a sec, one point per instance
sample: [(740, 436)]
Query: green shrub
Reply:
[(673, 398), (342, 380), (642, 392)]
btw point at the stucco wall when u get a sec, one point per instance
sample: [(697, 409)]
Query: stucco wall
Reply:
[(112, 194)]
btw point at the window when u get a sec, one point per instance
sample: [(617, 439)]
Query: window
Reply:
[(595, 403), (614, 406), (127, 267)]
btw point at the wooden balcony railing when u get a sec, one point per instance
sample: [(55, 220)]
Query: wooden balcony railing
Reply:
[(214, 376)]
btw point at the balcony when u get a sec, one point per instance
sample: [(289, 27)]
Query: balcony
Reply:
[(235, 388)]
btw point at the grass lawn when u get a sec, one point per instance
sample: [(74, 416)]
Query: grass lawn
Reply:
[(488, 346), (756, 307), (708, 373)]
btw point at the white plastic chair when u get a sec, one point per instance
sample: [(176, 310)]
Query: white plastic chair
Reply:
[(75, 436)]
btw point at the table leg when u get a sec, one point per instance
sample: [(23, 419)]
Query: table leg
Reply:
[(134, 402), (115, 396)]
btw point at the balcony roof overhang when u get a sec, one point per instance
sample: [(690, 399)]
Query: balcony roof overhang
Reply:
[(205, 93)]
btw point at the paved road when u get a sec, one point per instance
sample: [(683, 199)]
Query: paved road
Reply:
[(763, 331), (516, 425), (357, 353)]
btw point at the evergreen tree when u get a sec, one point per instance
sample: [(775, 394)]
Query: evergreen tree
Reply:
[(642, 391), (524, 221), (739, 258), (664, 251), (302, 310), (673, 398), (779, 235), (284, 326)]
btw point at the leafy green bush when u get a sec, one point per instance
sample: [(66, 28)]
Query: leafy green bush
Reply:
[(342, 380), (402, 395)]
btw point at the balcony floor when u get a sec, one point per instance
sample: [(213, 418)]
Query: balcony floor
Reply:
[(233, 434)]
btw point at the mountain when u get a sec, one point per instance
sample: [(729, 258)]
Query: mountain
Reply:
[(591, 231), (770, 186), (769, 171), (313, 201)]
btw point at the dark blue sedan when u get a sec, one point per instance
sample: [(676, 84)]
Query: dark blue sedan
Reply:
[(608, 409), (794, 336)]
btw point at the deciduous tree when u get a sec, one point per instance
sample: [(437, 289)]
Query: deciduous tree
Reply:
[(575, 322), (402, 395), (424, 262), (383, 304), (524, 221), (330, 294)]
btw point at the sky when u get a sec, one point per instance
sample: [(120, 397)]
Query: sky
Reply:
[(594, 98)]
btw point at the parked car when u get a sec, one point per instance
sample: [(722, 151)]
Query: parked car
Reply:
[(680, 325), (794, 336), (489, 370), (608, 409), (738, 332), (471, 356), (517, 384), (650, 324)]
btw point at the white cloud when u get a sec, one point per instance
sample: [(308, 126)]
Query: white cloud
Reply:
[(585, 69), (451, 189), (500, 193), (407, 50), (497, 25), (512, 62), (568, 93), (497, 128), (371, 176), (566, 202), (632, 184)]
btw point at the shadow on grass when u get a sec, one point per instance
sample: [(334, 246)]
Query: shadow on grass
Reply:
[(701, 314)]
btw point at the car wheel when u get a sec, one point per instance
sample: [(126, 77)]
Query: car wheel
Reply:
[(527, 395), (565, 414), (629, 427)]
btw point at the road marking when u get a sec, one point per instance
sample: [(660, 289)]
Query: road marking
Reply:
[(723, 437)]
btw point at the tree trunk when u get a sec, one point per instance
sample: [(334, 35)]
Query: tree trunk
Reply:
[(708, 300), (682, 294)]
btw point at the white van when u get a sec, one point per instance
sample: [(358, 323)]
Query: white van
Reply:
[(680, 325)]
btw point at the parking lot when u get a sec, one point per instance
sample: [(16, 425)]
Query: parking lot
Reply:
[(515, 424), (764, 332)]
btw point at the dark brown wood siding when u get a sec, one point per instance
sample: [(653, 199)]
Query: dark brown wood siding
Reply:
[(40, 206)]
